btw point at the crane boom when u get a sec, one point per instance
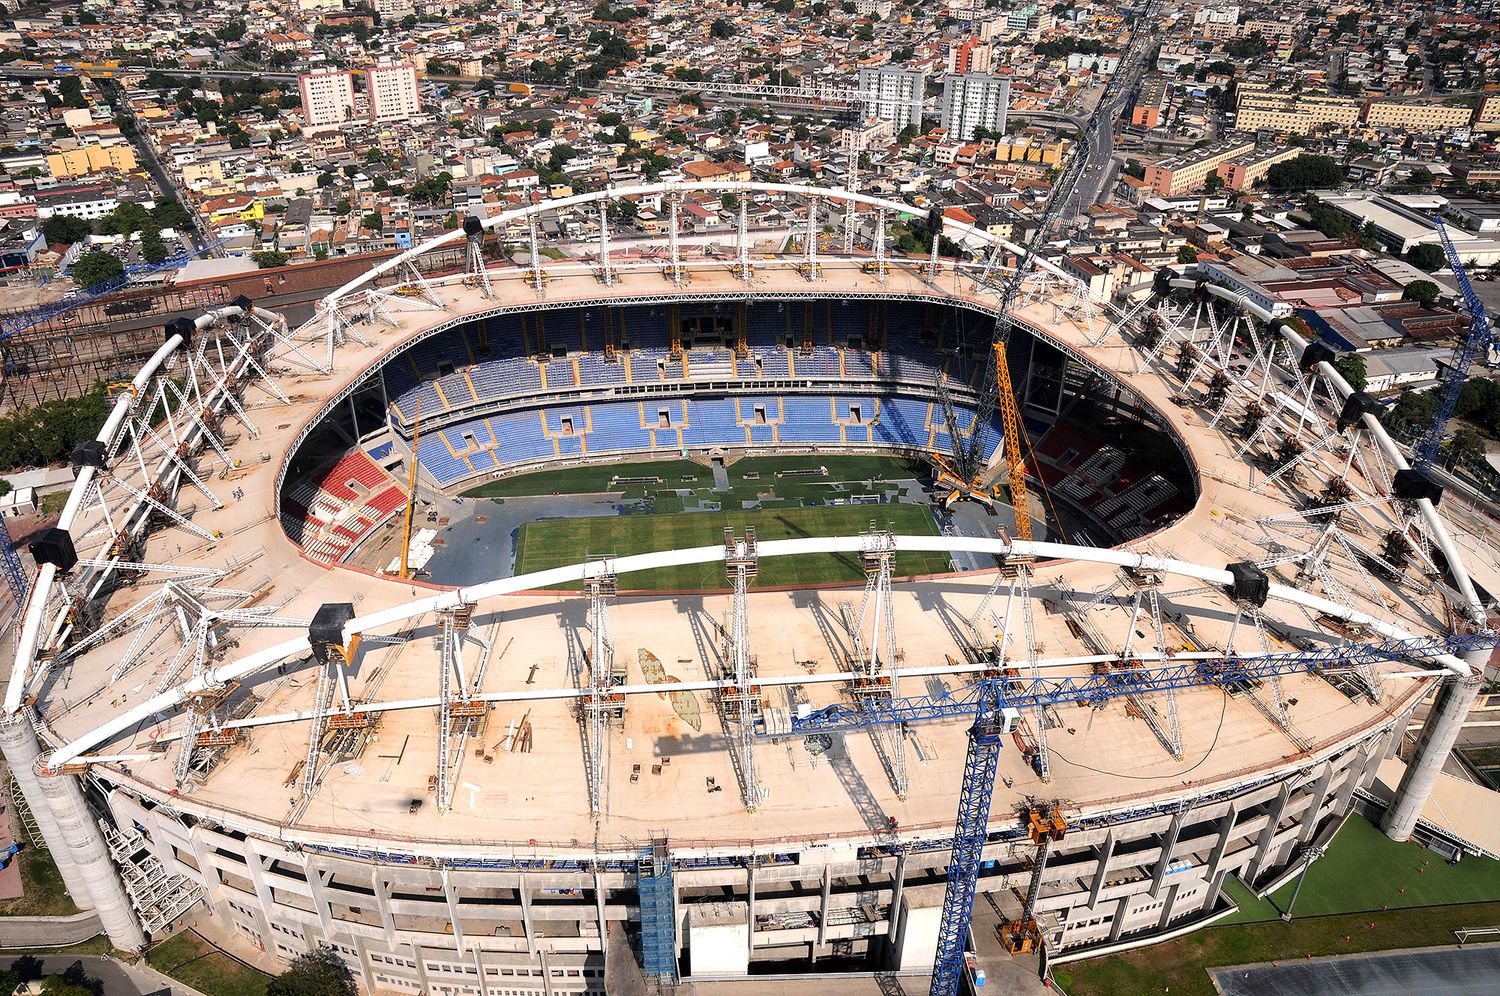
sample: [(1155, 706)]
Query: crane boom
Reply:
[(1478, 337), (1015, 460), (411, 493)]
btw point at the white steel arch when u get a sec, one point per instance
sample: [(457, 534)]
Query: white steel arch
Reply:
[(472, 595)]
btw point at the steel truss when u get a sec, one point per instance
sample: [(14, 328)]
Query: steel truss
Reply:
[(742, 698), (875, 661), (1020, 693), (602, 703)]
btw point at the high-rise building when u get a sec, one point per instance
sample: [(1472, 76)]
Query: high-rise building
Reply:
[(327, 99), (972, 101), (893, 94), (392, 89), (969, 56)]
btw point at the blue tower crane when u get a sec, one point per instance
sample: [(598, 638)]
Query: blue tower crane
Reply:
[(1478, 338), (10, 563), (997, 696)]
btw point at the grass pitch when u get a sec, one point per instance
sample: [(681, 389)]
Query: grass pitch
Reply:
[(556, 542)]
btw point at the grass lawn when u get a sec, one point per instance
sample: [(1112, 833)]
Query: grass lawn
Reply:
[(1182, 965), (45, 894), (193, 961), (1345, 891), (591, 479), (1346, 879), (555, 542), (597, 477)]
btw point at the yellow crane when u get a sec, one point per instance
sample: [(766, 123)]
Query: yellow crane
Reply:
[(1010, 422), (411, 492), (949, 473)]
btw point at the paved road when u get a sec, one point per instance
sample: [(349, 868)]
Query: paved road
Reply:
[(1440, 972), (118, 979), (20, 932)]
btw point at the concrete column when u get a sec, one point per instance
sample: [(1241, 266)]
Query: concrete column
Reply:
[(524, 891), (78, 834), (264, 902), (1268, 835), (208, 874), (1212, 874), (893, 916), (420, 961), (599, 912), (750, 908), (366, 973), (383, 905), (1174, 830), (1167, 905), (823, 908), (1105, 854), (19, 744), (317, 878), (1315, 802), (1433, 747), (1117, 927)]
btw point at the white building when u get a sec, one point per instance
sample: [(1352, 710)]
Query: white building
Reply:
[(393, 92), (893, 94), (327, 99), (972, 101)]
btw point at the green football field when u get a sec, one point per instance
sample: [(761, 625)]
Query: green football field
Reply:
[(555, 542)]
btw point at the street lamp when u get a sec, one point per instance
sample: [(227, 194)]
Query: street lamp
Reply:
[(1313, 853)]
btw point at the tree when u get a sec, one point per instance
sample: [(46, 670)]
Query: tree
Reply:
[(153, 250), (1213, 183), (63, 230), (169, 213), (1305, 172), (1424, 292), (1352, 366), (372, 221), (1466, 446), (1420, 177), (325, 180), (317, 973), (730, 201), (1187, 254), (721, 29), (268, 258), (126, 219), (1427, 257), (95, 268)]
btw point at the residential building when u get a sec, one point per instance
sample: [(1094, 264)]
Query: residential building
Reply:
[(1416, 117), (1487, 114), (1244, 172), (972, 101), (1188, 171), (67, 164), (1295, 114), (392, 91), (969, 56), (327, 99), (1151, 104), (893, 94)]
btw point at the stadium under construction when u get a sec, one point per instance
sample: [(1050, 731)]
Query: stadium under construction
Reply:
[(1223, 595)]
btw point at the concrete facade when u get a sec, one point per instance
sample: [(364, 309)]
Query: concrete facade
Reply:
[(541, 924)]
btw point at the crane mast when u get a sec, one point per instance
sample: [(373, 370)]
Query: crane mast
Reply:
[(1479, 337)]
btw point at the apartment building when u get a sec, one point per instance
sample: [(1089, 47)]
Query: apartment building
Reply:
[(1188, 171), (1151, 106), (327, 99), (1416, 117), (972, 101), (1296, 114), (90, 159), (893, 94), (392, 90), (1244, 172)]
